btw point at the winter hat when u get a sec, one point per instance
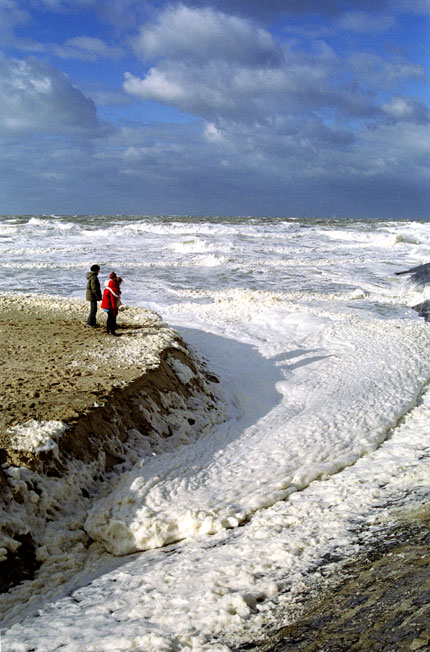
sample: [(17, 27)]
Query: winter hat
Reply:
[(112, 275)]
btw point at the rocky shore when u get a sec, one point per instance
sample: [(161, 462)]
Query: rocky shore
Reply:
[(77, 405), (379, 601)]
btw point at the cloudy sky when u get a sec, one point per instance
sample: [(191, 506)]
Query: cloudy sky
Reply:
[(314, 108)]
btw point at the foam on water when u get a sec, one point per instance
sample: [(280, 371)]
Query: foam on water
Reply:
[(331, 409), (325, 368)]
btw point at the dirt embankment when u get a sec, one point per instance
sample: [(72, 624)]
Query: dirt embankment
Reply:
[(71, 398)]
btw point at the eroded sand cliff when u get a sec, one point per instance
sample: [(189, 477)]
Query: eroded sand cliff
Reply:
[(79, 405)]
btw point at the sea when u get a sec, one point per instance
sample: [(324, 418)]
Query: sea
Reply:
[(324, 368)]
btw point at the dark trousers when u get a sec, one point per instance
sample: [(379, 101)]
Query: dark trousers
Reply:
[(91, 321), (111, 322)]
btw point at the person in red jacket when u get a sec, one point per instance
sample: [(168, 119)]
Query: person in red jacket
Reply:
[(111, 301)]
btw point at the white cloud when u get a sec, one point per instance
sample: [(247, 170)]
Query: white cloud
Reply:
[(36, 97), (204, 35), (299, 84), (158, 85), (213, 134), (213, 65), (88, 48), (273, 117), (221, 67), (11, 15), (381, 74), (406, 109)]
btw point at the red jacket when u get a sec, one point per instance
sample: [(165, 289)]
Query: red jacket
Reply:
[(111, 297)]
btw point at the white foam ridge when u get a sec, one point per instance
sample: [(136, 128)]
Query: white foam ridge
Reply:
[(339, 406), (36, 436)]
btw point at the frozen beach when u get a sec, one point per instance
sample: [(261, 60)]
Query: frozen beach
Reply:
[(321, 441)]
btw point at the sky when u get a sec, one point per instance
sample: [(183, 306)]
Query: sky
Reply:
[(303, 108)]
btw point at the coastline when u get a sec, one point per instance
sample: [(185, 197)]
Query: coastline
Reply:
[(80, 405), (379, 599)]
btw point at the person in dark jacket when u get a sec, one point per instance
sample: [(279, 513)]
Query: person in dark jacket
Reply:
[(93, 294)]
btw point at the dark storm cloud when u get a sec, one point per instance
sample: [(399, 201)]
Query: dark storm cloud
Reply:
[(34, 96)]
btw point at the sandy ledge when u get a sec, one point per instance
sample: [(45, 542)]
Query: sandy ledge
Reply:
[(56, 369), (73, 399)]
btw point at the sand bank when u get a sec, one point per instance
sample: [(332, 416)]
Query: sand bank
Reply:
[(77, 403)]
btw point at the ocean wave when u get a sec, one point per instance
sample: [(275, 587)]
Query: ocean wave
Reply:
[(6, 230), (191, 245)]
